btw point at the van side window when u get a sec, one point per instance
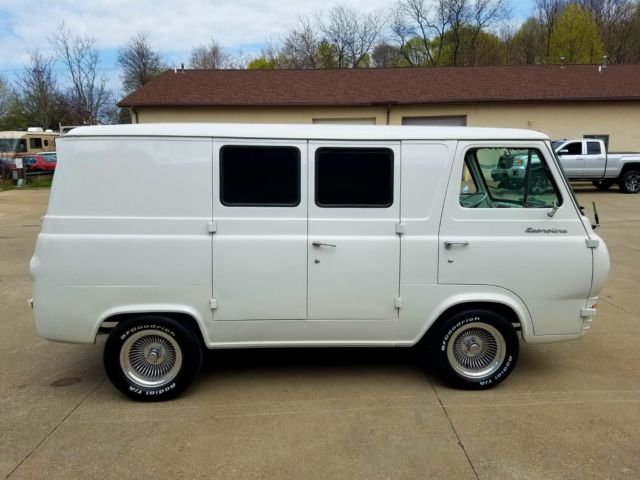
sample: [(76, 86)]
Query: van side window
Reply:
[(259, 176), (35, 142), (508, 178), (354, 177)]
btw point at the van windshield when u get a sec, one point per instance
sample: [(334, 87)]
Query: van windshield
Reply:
[(10, 145)]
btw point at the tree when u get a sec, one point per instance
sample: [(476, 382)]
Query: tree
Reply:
[(300, 46), (5, 98), (444, 31), (615, 20), (548, 12), (351, 33), (209, 57), (38, 92), (419, 29), (528, 44), (139, 62), (87, 100), (386, 55), (12, 116), (576, 37)]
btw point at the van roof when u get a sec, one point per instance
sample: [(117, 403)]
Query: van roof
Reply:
[(306, 132)]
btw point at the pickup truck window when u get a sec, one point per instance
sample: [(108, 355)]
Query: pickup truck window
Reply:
[(593, 148), (573, 148), (507, 178)]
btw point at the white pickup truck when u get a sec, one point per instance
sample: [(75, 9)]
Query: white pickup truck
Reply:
[(587, 159)]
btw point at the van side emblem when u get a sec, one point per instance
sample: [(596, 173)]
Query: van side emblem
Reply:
[(545, 230)]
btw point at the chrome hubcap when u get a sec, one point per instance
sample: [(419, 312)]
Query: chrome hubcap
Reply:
[(476, 350), (633, 182), (150, 358)]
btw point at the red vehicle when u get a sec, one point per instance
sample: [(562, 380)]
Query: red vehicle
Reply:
[(39, 163)]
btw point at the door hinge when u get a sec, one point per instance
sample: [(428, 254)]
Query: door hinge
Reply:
[(400, 228), (213, 303), (592, 242), (397, 302), (212, 227)]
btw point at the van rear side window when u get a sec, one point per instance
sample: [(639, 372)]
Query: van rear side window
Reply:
[(265, 176), (354, 177)]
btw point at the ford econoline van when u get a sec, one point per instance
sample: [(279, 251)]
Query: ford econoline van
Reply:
[(173, 239)]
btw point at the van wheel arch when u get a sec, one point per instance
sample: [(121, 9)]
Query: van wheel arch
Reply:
[(496, 307), (184, 318)]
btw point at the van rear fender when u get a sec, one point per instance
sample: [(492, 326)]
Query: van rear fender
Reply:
[(190, 316)]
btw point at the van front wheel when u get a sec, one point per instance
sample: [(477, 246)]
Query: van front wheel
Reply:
[(475, 349), (152, 358)]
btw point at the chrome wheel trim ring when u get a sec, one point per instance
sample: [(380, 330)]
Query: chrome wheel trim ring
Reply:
[(476, 350), (150, 358), (633, 182)]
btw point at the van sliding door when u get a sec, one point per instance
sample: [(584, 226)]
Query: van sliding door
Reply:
[(260, 221), (353, 246)]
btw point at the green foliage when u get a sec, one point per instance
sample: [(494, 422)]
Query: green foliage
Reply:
[(327, 56), (528, 43), (261, 63), (576, 37)]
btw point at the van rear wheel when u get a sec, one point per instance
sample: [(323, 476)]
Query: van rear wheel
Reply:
[(152, 358), (475, 349)]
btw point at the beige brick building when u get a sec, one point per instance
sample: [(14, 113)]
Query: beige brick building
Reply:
[(563, 101)]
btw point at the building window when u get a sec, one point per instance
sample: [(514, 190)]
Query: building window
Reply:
[(354, 177), (345, 121), (35, 142), (437, 121), (603, 137), (252, 176)]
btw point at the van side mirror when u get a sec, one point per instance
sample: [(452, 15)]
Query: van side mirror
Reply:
[(564, 151)]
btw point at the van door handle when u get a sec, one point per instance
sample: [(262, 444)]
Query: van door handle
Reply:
[(448, 244), (320, 244)]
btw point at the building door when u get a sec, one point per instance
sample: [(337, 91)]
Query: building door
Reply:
[(353, 247), (507, 238), (260, 222)]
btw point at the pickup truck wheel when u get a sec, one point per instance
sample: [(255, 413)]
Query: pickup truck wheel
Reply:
[(152, 358), (630, 181), (603, 185), (538, 184), (475, 349)]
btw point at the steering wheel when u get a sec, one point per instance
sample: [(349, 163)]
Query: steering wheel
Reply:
[(474, 203)]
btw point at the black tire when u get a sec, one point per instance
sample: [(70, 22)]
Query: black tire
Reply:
[(152, 358), (629, 181), (475, 349), (603, 185), (538, 184)]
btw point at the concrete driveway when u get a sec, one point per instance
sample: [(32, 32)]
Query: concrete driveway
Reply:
[(569, 411)]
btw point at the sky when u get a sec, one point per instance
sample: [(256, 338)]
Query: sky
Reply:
[(241, 26)]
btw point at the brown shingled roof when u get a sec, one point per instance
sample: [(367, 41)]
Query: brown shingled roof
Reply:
[(440, 85)]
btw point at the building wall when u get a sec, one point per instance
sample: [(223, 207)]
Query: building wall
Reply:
[(619, 120)]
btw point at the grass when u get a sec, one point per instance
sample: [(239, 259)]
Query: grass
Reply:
[(36, 181)]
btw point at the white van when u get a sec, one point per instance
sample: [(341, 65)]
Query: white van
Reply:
[(176, 238)]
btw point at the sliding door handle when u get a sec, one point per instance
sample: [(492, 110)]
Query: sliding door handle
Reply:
[(320, 244), (448, 244)]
